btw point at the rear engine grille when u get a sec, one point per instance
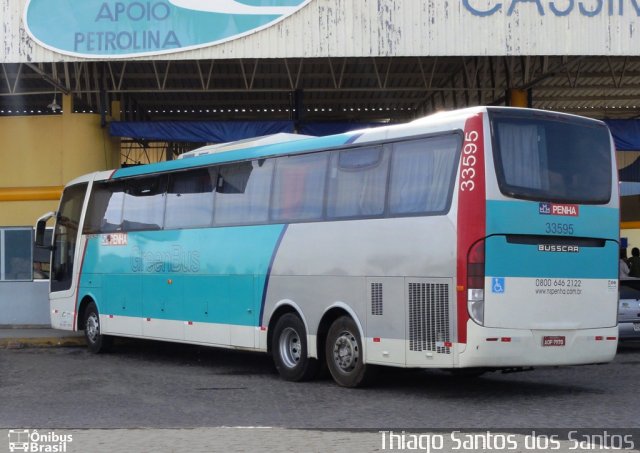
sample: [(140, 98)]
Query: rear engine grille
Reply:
[(429, 317)]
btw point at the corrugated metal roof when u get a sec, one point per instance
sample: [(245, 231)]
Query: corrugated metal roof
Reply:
[(326, 88), (353, 59)]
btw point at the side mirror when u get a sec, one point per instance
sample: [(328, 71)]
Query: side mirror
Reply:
[(41, 226)]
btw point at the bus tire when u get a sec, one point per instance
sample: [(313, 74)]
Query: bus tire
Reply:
[(290, 352), (344, 354), (96, 342)]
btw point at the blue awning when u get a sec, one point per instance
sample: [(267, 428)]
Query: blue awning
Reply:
[(626, 134), (630, 173), (198, 131), (224, 131)]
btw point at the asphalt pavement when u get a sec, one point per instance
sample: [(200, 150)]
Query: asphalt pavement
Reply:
[(153, 396), (38, 337)]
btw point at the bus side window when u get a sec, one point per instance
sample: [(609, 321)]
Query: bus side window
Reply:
[(242, 194), (422, 175), (298, 192), (190, 198), (104, 213), (144, 204), (357, 182)]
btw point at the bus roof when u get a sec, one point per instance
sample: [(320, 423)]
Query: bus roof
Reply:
[(281, 137), (256, 149), (251, 152), (288, 144)]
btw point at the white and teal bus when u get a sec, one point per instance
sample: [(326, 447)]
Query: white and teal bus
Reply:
[(482, 239)]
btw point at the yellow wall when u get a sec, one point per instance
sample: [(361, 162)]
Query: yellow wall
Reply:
[(38, 151), (625, 158), (633, 236)]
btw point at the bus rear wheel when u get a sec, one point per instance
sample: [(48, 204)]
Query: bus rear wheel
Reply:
[(290, 353), (344, 354), (96, 342)]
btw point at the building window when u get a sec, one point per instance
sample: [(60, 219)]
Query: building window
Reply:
[(41, 258), (16, 254)]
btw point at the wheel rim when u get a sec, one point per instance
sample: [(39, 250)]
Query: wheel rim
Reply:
[(290, 347), (92, 328), (346, 352)]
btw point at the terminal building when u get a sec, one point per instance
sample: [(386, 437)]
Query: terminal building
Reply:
[(94, 85)]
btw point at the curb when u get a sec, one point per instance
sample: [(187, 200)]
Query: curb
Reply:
[(44, 342)]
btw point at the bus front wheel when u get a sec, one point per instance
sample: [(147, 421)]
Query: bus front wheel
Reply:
[(290, 352), (345, 354), (96, 342)]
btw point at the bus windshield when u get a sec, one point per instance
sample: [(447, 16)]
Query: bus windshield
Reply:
[(544, 158)]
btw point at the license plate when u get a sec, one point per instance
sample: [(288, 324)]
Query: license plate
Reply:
[(553, 341), (636, 326)]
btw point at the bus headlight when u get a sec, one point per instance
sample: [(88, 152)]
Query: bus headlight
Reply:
[(475, 305)]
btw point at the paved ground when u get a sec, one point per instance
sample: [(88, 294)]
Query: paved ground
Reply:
[(151, 386), (15, 338), (203, 387)]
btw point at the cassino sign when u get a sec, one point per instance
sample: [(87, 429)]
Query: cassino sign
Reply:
[(559, 8)]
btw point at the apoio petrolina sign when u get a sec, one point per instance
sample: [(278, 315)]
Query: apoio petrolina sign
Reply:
[(129, 28)]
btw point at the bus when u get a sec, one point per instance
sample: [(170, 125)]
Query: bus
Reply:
[(479, 239)]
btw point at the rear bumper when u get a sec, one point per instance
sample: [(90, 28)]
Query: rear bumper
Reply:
[(490, 347)]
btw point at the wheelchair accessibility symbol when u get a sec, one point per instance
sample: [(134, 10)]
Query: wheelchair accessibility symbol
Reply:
[(497, 285)]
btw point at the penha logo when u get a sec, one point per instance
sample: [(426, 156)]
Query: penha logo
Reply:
[(570, 210), (115, 239), (128, 28)]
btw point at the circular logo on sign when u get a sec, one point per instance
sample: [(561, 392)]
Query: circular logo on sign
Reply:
[(128, 28)]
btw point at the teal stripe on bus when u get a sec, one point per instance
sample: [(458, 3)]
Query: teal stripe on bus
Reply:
[(505, 259), (212, 275), (523, 217), (525, 260)]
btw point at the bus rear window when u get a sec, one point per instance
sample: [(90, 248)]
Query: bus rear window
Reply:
[(549, 159)]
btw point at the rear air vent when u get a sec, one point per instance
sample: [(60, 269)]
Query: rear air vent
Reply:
[(429, 317), (376, 299)]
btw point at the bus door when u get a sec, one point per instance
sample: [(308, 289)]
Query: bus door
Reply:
[(65, 260)]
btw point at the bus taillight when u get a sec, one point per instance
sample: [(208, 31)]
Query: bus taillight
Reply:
[(475, 282)]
